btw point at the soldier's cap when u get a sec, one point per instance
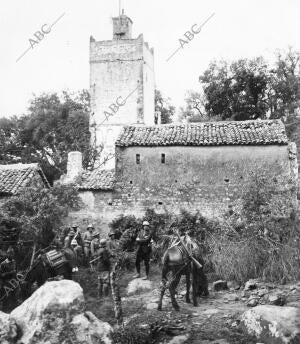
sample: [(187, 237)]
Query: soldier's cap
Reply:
[(102, 242), (90, 226), (112, 232), (146, 223), (74, 225), (95, 234)]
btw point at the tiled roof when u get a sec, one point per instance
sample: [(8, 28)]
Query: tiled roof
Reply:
[(97, 180), (14, 177), (259, 132)]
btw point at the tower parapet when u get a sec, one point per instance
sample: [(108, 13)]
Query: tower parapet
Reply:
[(122, 27)]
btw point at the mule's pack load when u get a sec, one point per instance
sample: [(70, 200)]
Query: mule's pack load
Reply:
[(55, 258)]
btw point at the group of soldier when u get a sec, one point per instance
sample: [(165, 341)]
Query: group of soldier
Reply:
[(100, 254), (89, 250)]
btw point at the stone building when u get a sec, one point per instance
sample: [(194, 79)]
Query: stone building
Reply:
[(199, 166), (121, 85)]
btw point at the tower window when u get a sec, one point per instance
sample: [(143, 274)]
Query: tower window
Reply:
[(163, 158), (137, 158)]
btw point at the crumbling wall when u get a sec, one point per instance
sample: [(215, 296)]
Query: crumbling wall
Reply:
[(208, 179)]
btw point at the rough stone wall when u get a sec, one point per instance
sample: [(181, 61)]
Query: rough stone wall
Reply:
[(208, 179), (97, 210), (117, 73)]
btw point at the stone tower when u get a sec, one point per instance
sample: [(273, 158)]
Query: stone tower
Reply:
[(121, 85)]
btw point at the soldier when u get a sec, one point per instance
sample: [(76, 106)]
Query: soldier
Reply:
[(87, 239), (143, 250), (7, 276), (95, 244), (69, 247), (103, 268), (68, 239), (113, 243)]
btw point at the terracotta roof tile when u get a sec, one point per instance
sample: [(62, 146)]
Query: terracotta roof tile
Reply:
[(14, 177), (97, 180), (259, 132)]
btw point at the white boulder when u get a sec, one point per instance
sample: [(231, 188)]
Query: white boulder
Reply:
[(53, 299), (54, 315), (273, 324), (8, 329)]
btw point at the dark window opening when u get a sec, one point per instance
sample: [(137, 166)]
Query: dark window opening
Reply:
[(109, 203), (129, 195), (160, 203), (163, 158), (137, 158), (226, 180), (175, 180), (130, 182)]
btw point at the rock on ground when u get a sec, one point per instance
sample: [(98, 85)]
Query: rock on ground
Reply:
[(220, 285), (277, 299), (179, 339), (273, 324), (54, 313), (8, 329), (251, 284), (88, 327), (137, 285)]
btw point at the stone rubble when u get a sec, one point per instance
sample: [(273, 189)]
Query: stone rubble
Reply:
[(273, 324)]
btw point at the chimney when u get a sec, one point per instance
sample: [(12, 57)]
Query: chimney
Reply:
[(74, 165), (157, 118)]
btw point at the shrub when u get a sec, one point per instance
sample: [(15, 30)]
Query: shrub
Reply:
[(41, 210), (162, 226), (122, 222), (262, 241)]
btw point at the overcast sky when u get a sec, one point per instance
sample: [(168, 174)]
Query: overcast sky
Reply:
[(239, 28)]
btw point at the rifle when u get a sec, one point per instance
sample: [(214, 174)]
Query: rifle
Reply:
[(92, 261), (187, 251)]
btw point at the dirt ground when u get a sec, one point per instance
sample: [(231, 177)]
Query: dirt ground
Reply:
[(215, 320)]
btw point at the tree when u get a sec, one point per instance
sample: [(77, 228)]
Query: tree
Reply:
[(53, 127), (284, 100), (8, 140), (163, 106), (284, 97), (249, 89), (41, 210), (194, 110), (236, 91)]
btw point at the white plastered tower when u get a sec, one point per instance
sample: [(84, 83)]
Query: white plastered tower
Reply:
[(121, 86)]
